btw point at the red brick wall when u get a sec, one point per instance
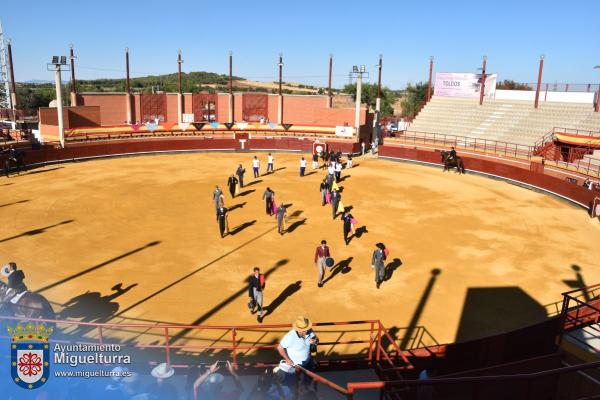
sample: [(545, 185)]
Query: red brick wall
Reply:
[(171, 107), (113, 109), (223, 107)]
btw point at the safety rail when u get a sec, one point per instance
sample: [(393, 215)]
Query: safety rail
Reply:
[(464, 142), (583, 312), (552, 87), (475, 384), (240, 342)]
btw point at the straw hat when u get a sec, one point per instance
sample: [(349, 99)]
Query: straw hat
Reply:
[(162, 371), (302, 324)]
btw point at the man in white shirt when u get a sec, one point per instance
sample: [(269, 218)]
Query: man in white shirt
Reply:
[(302, 166), (330, 168), (269, 163), (295, 345), (338, 170), (255, 166)]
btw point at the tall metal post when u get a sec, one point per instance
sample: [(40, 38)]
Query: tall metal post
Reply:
[(329, 97), (59, 105), (539, 82), (73, 81), (179, 90), (231, 105), (482, 90), (430, 76), (378, 99), (280, 100), (128, 97), (358, 98), (13, 87), (597, 107)]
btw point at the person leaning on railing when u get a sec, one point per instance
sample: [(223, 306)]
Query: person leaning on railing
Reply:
[(295, 348)]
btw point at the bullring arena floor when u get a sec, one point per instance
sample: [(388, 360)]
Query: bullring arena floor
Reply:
[(135, 240)]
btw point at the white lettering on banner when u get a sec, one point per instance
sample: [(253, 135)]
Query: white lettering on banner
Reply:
[(451, 84), (189, 118)]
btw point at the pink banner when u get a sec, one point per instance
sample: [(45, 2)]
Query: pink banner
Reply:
[(451, 84)]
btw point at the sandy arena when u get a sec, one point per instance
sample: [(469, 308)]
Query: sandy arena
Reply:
[(500, 252)]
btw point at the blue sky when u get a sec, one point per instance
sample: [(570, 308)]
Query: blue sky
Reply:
[(458, 33)]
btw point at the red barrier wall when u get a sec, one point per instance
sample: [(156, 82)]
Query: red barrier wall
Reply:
[(112, 106), (518, 172)]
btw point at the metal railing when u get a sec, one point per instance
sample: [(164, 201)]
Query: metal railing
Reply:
[(464, 142), (553, 87)]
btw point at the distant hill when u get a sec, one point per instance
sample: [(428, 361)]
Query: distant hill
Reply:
[(38, 93)]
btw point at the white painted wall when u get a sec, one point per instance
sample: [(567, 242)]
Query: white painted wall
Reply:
[(529, 95)]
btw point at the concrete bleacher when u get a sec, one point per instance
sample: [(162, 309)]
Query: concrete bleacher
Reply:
[(511, 121)]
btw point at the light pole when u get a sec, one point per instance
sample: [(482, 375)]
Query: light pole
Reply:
[(230, 98), (430, 76), (180, 89), (280, 108), (57, 63), (358, 71), (482, 87), (539, 82), (597, 106), (378, 99)]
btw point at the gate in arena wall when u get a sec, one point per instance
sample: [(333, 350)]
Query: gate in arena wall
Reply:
[(153, 105), (255, 106), (204, 107)]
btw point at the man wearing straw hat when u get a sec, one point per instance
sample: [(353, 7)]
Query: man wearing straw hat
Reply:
[(161, 388), (295, 346)]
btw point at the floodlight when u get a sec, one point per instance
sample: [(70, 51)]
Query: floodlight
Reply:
[(363, 68), (354, 68), (63, 60), (55, 60)]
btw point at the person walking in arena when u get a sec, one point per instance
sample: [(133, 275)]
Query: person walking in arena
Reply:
[(280, 213), (268, 196), (222, 220), (338, 169), (302, 166), (255, 166), (348, 221), (315, 160), (378, 263), (324, 188), (336, 197), (240, 174), (321, 255), (217, 197), (232, 184), (269, 163), (256, 287), (349, 163)]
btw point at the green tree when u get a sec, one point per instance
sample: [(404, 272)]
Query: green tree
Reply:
[(369, 97), (512, 85), (414, 99)]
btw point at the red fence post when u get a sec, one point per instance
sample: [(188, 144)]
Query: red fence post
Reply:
[(167, 348), (371, 343), (100, 337), (233, 341), (378, 355)]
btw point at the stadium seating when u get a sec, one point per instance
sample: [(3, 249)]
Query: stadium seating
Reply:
[(503, 120)]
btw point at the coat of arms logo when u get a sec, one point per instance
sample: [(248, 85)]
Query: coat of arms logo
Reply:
[(30, 354)]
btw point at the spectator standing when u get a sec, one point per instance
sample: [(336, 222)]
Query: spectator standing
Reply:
[(269, 163), (321, 255), (302, 166), (209, 385), (295, 345), (256, 286), (255, 166), (162, 388), (349, 163)]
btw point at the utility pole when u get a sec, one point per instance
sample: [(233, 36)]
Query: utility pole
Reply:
[(13, 92), (539, 82), (128, 97), (482, 87), (430, 76), (180, 90), (231, 113), (280, 108), (329, 96), (378, 99), (73, 82)]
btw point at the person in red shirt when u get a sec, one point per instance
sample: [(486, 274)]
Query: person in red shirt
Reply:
[(321, 256)]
